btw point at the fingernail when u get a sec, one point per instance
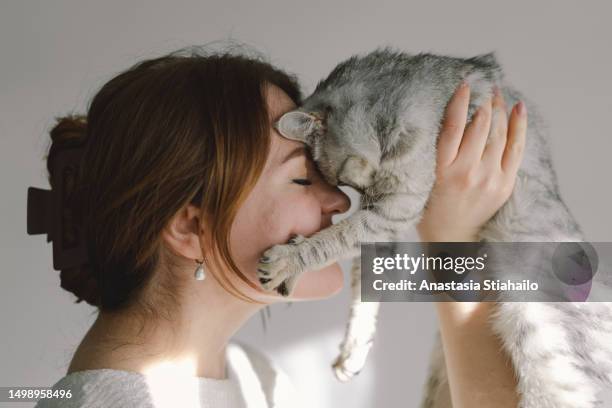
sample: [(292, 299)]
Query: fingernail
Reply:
[(496, 90), (463, 84), (520, 108)]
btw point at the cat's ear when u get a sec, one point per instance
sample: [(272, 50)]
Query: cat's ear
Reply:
[(482, 68), (298, 125), (488, 60)]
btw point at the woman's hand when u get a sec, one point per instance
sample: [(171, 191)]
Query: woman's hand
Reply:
[(473, 178)]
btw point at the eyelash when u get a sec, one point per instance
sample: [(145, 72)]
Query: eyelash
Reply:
[(302, 182)]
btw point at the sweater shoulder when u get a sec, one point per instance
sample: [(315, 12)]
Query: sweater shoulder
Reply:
[(100, 387), (260, 381), (276, 386)]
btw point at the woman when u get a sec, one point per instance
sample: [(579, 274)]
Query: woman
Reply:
[(182, 168)]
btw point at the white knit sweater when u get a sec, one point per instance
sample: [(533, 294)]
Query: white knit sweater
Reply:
[(252, 381)]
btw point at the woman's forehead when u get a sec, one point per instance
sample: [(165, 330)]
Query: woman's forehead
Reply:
[(278, 102), (281, 148)]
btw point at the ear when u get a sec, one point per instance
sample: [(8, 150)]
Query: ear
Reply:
[(297, 125), (182, 233), (481, 70), (488, 60)]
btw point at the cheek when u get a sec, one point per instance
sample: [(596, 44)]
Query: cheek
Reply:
[(261, 224), (297, 214)]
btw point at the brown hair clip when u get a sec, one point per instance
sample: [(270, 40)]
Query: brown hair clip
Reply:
[(52, 212)]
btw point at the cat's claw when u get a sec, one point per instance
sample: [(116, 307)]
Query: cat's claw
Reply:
[(286, 287), (280, 266)]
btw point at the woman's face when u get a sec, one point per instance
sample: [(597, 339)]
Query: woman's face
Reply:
[(290, 197)]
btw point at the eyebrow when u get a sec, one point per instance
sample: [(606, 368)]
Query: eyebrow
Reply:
[(298, 151)]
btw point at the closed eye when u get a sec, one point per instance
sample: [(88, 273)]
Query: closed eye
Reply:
[(302, 182)]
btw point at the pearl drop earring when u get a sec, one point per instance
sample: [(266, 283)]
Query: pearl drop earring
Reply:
[(199, 273)]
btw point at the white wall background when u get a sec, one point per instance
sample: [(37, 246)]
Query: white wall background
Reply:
[(55, 54)]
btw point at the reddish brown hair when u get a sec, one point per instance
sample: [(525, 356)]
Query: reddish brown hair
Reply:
[(169, 131)]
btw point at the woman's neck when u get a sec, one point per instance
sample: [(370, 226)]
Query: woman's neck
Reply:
[(191, 343)]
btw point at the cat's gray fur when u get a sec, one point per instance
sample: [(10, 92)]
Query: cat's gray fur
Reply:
[(373, 124)]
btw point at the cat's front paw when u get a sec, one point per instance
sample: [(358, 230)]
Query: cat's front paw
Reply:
[(281, 266)]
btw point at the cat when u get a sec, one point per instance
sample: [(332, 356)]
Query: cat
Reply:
[(372, 124)]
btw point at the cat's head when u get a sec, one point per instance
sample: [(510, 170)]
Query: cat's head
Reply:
[(340, 139), (381, 105)]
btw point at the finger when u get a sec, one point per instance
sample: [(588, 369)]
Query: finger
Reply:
[(517, 133), (453, 125), (496, 142), (475, 136)]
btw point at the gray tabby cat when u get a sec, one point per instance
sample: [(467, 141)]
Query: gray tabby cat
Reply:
[(373, 124)]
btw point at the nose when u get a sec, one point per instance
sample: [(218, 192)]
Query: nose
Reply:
[(333, 200)]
